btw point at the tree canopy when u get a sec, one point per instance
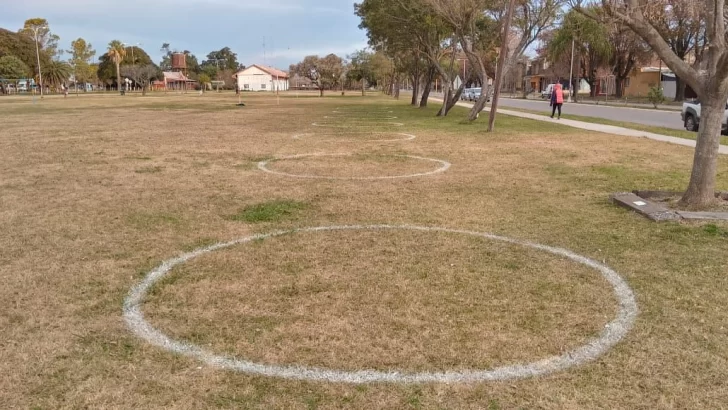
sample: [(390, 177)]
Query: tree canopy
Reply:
[(13, 68), (22, 47), (47, 41), (323, 72), (107, 70)]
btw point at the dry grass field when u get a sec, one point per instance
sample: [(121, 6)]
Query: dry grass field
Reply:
[(97, 191)]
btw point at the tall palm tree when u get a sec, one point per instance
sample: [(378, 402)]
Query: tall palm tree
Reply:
[(117, 52), (56, 73)]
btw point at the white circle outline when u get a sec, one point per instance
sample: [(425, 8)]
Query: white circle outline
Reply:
[(362, 124), (612, 333), (263, 166), (341, 117), (408, 137)]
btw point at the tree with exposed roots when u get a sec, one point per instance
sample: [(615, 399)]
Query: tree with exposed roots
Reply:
[(116, 53), (709, 81)]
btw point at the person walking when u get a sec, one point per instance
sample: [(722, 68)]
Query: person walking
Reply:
[(557, 99)]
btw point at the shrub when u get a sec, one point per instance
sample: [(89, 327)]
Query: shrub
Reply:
[(655, 96)]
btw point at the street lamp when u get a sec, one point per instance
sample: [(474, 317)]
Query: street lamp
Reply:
[(37, 54)]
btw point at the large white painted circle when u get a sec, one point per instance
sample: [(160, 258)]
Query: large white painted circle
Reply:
[(612, 333), (263, 166)]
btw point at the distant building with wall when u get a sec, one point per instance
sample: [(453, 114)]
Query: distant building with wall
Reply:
[(261, 78)]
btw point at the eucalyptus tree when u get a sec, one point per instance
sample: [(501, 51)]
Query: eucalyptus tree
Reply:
[(411, 27)]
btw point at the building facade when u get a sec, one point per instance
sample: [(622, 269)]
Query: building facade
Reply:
[(261, 78)]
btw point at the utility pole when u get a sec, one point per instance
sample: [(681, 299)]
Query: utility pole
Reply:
[(501, 64), (37, 55), (571, 73)]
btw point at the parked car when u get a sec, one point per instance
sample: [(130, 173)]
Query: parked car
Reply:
[(466, 94), (546, 93), (690, 115), (475, 94)]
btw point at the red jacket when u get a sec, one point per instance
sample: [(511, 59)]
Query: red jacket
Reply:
[(557, 95)]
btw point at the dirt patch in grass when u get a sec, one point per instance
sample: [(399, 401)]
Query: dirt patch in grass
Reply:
[(80, 227)]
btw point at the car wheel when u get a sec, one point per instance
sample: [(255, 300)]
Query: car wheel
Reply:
[(690, 123)]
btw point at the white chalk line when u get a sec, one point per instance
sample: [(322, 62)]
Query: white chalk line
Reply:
[(357, 119), (407, 137), (359, 124), (263, 166), (612, 333)]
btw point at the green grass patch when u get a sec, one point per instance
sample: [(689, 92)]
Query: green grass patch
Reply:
[(148, 170), (715, 230), (271, 211)]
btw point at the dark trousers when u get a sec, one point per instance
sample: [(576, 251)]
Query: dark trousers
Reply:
[(553, 110)]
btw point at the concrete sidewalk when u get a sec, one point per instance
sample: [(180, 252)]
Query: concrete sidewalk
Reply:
[(607, 129), (606, 103)]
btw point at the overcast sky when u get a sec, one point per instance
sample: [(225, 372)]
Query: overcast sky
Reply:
[(292, 28)]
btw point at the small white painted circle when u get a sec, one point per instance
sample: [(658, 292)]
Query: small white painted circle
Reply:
[(263, 166), (612, 334), (402, 137), (346, 117), (363, 112)]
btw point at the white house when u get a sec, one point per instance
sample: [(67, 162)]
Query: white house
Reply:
[(261, 78)]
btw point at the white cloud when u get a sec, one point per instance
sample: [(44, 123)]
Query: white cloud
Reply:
[(297, 54)]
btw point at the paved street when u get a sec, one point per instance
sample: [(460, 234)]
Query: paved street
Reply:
[(667, 119), (658, 118)]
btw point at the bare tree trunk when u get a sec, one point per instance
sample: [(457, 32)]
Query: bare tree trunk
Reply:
[(118, 79), (479, 105), (415, 89), (701, 190), (455, 97), (618, 82), (363, 87), (576, 85), (679, 89), (445, 98), (396, 88), (428, 87), (321, 91)]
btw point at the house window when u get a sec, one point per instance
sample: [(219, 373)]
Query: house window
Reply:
[(262, 86), (626, 82)]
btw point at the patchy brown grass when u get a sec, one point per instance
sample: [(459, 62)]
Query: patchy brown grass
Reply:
[(81, 225), (353, 165), (384, 300)]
